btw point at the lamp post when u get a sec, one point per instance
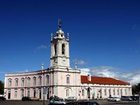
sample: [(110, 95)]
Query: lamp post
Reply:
[(43, 85), (139, 98), (88, 89)]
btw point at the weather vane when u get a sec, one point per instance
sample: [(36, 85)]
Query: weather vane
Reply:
[(59, 24)]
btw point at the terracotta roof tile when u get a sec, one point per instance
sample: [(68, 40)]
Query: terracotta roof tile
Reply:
[(103, 80)]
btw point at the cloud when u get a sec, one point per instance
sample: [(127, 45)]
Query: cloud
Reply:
[(107, 71), (42, 47), (79, 62)]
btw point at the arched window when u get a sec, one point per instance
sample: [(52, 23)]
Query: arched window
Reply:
[(28, 92), (67, 92), (22, 92), (47, 79), (40, 94), (40, 80), (28, 81), (34, 93), (34, 81), (55, 49), (16, 82), (22, 81), (83, 92), (68, 79), (9, 82), (15, 95), (63, 48)]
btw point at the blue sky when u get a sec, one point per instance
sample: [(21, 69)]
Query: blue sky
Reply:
[(103, 33)]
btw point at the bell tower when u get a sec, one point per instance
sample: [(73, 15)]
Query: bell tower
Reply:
[(59, 49)]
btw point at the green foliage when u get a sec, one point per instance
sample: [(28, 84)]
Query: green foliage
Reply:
[(136, 88), (1, 87)]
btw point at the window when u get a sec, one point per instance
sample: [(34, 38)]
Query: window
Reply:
[(118, 91), (34, 81), (28, 93), (28, 81), (16, 82), (47, 79), (113, 91), (39, 93), (15, 94), (68, 79), (63, 48), (67, 92), (55, 49), (22, 92), (105, 92), (9, 82), (121, 92), (34, 93), (109, 92), (22, 81), (83, 92), (125, 91), (40, 80), (9, 94)]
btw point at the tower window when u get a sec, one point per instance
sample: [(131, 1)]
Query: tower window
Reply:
[(55, 49), (63, 48)]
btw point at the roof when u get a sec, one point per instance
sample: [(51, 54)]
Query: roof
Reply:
[(102, 80)]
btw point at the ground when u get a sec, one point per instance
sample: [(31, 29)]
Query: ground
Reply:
[(101, 102)]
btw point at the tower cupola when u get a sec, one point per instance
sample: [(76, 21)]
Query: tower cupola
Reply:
[(59, 49)]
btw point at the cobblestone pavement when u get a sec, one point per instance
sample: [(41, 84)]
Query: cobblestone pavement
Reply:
[(101, 102)]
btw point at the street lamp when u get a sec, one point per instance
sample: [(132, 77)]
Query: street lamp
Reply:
[(139, 98), (43, 85), (88, 89)]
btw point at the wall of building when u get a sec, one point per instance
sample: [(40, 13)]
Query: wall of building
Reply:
[(56, 84)]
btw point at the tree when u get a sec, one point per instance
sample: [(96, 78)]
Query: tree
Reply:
[(1, 87), (136, 88)]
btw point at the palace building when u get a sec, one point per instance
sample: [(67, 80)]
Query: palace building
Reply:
[(61, 80)]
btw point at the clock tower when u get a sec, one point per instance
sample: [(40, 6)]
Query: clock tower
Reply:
[(59, 49)]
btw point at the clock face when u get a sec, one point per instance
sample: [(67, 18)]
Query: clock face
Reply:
[(64, 61)]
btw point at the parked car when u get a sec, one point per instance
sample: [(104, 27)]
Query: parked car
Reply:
[(114, 99), (55, 100), (2, 98), (72, 98), (126, 98), (26, 99), (82, 103), (57, 103), (135, 98)]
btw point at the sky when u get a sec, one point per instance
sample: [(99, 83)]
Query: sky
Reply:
[(104, 35)]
